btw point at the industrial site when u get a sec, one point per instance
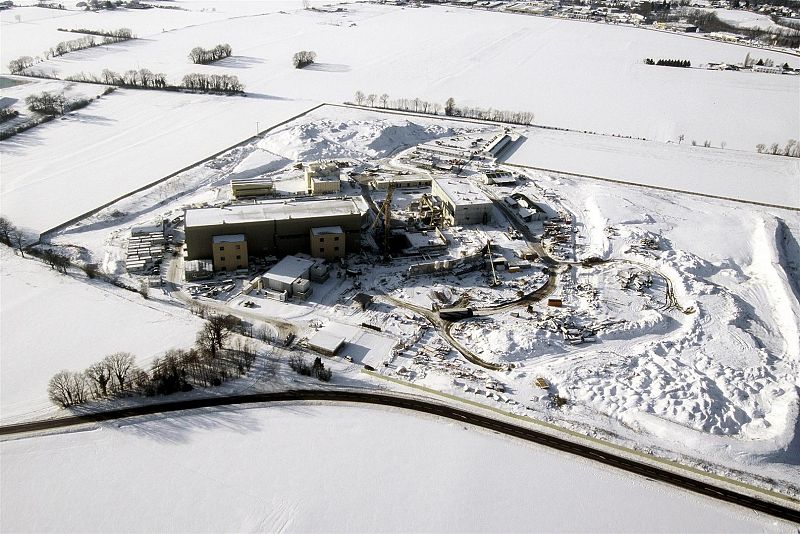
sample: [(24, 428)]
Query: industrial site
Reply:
[(334, 266)]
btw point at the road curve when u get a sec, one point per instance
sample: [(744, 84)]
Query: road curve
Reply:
[(429, 407)]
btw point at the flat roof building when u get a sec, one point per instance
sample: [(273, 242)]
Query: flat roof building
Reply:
[(229, 252), (328, 242), (251, 187), (274, 227), (464, 203), (291, 275), (322, 178)]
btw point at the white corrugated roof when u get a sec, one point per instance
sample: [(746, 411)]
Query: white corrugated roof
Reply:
[(289, 269), (272, 210)]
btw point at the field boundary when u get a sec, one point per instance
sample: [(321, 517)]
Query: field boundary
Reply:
[(95, 210), (596, 441)]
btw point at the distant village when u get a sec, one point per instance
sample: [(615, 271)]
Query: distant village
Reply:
[(672, 16)]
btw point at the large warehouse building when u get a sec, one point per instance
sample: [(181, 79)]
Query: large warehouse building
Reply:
[(274, 227), (464, 203)]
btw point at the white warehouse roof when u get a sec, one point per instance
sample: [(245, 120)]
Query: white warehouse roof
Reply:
[(274, 210), (462, 192), (289, 269)]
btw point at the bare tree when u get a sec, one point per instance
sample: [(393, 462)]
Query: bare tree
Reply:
[(120, 366), (6, 229), (67, 388), (100, 375), (19, 241), (450, 106), (371, 99), (359, 97), (681, 137), (761, 148), (773, 148), (384, 99)]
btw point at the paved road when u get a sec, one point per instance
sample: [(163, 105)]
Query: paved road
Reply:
[(783, 511)]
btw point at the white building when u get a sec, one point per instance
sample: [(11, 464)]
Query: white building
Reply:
[(322, 178), (290, 275), (464, 203)]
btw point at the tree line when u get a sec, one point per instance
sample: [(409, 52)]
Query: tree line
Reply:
[(202, 56), (303, 58), (146, 79), (317, 369), (212, 361), (18, 66), (418, 105), (123, 34), (685, 63), (791, 149)]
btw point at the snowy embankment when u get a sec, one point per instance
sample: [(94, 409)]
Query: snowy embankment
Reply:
[(305, 468), (717, 172), (53, 321)]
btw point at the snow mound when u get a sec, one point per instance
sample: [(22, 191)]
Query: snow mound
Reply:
[(349, 139)]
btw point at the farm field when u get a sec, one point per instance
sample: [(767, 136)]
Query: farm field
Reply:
[(53, 322), (120, 143), (550, 82), (717, 172), (358, 462)]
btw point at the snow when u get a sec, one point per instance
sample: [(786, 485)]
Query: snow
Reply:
[(719, 172), (306, 468), (53, 321), (748, 19), (116, 145)]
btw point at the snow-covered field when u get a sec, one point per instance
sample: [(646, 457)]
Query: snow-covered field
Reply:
[(748, 19), (52, 321), (133, 138), (743, 175), (544, 65), (118, 144), (303, 468)]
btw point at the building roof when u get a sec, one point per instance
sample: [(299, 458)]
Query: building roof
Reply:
[(327, 230), (289, 269), (323, 170), (326, 341), (462, 192), (272, 210), (231, 238)]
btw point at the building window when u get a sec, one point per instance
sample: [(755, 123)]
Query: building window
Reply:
[(238, 247), (222, 249), (336, 238), (336, 249), (222, 258), (238, 257), (321, 239), (321, 250)]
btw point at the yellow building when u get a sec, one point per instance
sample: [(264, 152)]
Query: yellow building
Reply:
[(322, 178), (229, 252), (328, 242)]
